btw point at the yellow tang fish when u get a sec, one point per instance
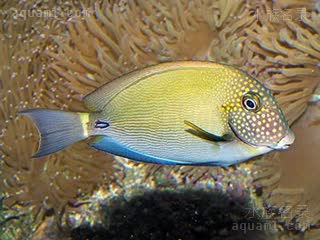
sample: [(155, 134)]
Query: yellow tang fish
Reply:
[(196, 113)]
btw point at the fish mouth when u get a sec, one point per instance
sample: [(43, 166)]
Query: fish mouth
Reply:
[(280, 147), (285, 142)]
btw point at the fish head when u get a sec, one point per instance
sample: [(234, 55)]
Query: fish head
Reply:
[(256, 118)]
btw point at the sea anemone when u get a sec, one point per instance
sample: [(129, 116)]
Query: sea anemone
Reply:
[(49, 183), (283, 53), (114, 37), (291, 48)]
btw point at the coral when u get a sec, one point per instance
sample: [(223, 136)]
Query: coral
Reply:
[(133, 179), (11, 220), (185, 214)]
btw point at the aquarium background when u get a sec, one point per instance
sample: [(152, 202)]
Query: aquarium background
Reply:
[(55, 52)]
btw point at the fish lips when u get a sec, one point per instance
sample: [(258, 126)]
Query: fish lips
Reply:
[(285, 142)]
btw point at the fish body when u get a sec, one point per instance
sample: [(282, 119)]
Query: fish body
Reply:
[(197, 113)]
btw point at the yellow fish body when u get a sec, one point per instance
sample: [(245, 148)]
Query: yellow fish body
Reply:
[(173, 113)]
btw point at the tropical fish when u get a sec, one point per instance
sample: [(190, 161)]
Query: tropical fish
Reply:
[(193, 113)]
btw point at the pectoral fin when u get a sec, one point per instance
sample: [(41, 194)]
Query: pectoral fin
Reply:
[(195, 130)]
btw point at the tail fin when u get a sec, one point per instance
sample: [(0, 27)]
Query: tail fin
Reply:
[(57, 129)]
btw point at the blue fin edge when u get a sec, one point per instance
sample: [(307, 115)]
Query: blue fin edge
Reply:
[(107, 144)]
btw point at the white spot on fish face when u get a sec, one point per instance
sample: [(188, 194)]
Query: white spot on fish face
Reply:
[(260, 121)]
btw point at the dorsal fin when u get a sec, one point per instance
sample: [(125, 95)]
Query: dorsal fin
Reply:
[(96, 100)]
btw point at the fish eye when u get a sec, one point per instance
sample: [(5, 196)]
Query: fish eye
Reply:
[(250, 101)]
